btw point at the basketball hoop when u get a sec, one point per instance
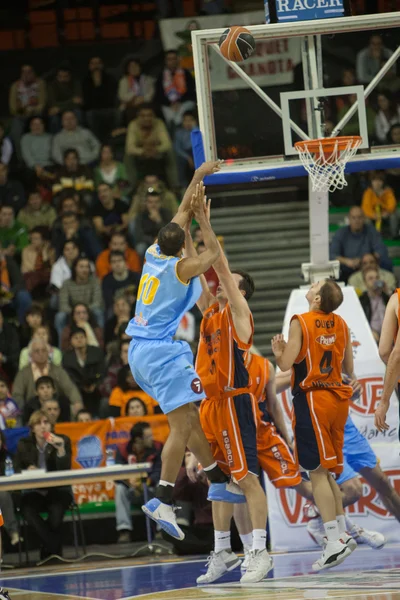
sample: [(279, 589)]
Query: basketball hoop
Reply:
[(325, 160)]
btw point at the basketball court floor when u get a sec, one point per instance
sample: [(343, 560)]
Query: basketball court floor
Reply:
[(366, 575)]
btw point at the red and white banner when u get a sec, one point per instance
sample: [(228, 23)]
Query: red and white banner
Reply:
[(287, 526), (272, 63)]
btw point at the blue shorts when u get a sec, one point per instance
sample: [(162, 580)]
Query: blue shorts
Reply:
[(164, 370), (357, 453)]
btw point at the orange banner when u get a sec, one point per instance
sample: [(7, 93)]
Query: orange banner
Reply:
[(91, 440)]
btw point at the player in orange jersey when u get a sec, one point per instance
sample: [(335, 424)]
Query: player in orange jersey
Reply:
[(229, 415), (319, 350), (389, 351)]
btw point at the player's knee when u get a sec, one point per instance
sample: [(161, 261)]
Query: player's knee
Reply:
[(352, 490), (248, 483), (181, 420), (378, 479)]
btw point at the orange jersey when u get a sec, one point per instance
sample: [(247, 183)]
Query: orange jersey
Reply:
[(221, 355), (319, 363), (1, 519), (258, 368)]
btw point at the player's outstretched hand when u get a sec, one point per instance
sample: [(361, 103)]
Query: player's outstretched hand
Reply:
[(198, 201), (380, 417), (278, 345), (209, 168), (207, 209), (192, 467)]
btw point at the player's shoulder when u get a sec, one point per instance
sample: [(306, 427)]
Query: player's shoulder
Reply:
[(154, 252)]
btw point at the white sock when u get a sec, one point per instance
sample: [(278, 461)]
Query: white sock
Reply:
[(165, 483), (247, 540), (349, 524), (341, 521), (332, 530), (259, 539), (222, 541), (210, 467)]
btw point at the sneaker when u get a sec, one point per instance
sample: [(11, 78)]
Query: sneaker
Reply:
[(4, 594), (219, 563), (245, 563), (374, 539), (260, 564), (333, 554), (316, 530), (164, 516), (226, 492), (15, 538), (124, 537), (346, 539)]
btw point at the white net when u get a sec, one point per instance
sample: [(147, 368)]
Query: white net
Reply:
[(326, 164)]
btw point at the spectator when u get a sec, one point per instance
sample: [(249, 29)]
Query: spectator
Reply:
[(140, 448), (72, 229), (168, 198), (37, 451), (388, 115), (135, 407), (134, 89), (81, 288), (33, 319), (36, 147), (119, 278), (53, 411), (183, 149), (352, 127), (9, 411), (9, 349), (85, 365), (27, 98), (6, 500), (110, 381), (370, 59), (84, 416), (61, 270), (11, 192), (112, 172), (99, 95), (36, 213), (210, 275), (81, 317), (122, 312), (64, 95), (117, 243), (45, 392), (374, 301), (393, 175), (351, 242), (77, 138), (42, 333), (13, 235), (379, 204), (24, 384), (149, 222), (37, 260), (368, 261), (12, 292), (175, 90), (113, 347), (148, 148), (128, 388), (6, 147), (75, 178), (109, 213)]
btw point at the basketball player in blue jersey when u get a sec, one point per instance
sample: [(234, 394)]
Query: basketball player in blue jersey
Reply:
[(163, 367)]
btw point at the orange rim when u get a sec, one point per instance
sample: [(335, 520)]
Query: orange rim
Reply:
[(328, 144)]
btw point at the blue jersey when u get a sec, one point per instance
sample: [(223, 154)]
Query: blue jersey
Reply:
[(162, 298)]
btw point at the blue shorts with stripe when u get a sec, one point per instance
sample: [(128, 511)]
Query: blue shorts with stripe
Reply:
[(357, 453), (164, 370)]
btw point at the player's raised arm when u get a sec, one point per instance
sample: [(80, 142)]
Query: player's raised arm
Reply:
[(207, 168), (389, 329), (206, 299), (192, 267), (286, 353)]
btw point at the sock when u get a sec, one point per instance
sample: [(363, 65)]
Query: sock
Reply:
[(214, 474), (222, 541), (247, 540), (341, 521), (332, 530), (259, 539), (164, 491)]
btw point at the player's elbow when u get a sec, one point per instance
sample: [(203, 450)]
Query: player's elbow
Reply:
[(384, 351)]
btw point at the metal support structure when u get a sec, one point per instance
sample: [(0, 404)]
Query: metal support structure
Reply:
[(306, 77)]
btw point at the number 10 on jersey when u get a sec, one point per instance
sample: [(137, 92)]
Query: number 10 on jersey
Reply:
[(148, 287)]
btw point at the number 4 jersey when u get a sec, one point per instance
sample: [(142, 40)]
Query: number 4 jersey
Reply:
[(319, 363), (162, 297)]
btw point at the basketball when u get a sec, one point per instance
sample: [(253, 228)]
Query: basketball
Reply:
[(237, 43)]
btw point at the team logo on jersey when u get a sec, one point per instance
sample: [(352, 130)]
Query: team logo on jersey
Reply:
[(326, 340), (196, 386)]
